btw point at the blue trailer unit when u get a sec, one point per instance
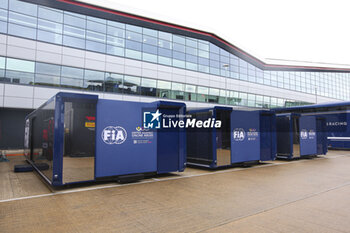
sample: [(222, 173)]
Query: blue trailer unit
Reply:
[(83, 138), (321, 133), (337, 117), (268, 140), (296, 136), (210, 147), (237, 141)]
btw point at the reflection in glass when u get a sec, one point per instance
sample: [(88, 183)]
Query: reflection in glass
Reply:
[(114, 83), (163, 89), (148, 87), (47, 80), (41, 139), (94, 80), (131, 85), (19, 77), (177, 91)]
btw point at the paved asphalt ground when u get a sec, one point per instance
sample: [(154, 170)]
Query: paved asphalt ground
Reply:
[(310, 195)]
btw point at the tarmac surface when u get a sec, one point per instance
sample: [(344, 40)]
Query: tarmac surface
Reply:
[(310, 195)]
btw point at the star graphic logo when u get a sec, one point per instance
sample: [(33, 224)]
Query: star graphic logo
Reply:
[(156, 115), (151, 120)]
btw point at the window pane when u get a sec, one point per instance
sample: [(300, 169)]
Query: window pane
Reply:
[(133, 54), (179, 47), (202, 90), (177, 91), (74, 21), (164, 44), (97, 27), (191, 42), (4, 4), (214, 91), (178, 63), (49, 26), (74, 31), (150, 32), (72, 72), (191, 58), (133, 45), (95, 36), (113, 31), (3, 15), (149, 57), (223, 93), (93, 80), (179, 56), (203, 46), (214, 56), (17, 30), (190, 88), (131, 85), (148, 87), (23, 7), (165, 36), (134, 36), (19, 77), (71, 83), (47, 80), (116, 41), (148, 82), (50, 37), (202, 53), (178, 86), (203, 61), (114, 83), (164, 52), (20, 65), (115, 50), (150, 40), (74, 42), (191, 66), (2, 63), (204, 69), (191, 51), (213, 48), (213, 99), (164, 60), (3, 27), (179, 39), (149, 49), (22, 19), (43, 68), (95, 46), (50, 14), (163, 84)]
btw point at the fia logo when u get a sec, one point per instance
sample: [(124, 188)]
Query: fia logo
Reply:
[(238, 134), (114, 135), (303, 134), (151, 120)]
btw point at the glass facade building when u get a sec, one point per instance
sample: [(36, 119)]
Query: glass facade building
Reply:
[(138, 42)]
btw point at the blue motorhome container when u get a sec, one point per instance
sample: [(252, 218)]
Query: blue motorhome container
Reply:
[(337, 117), (83, 138), (244, 136), (297, 136)]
